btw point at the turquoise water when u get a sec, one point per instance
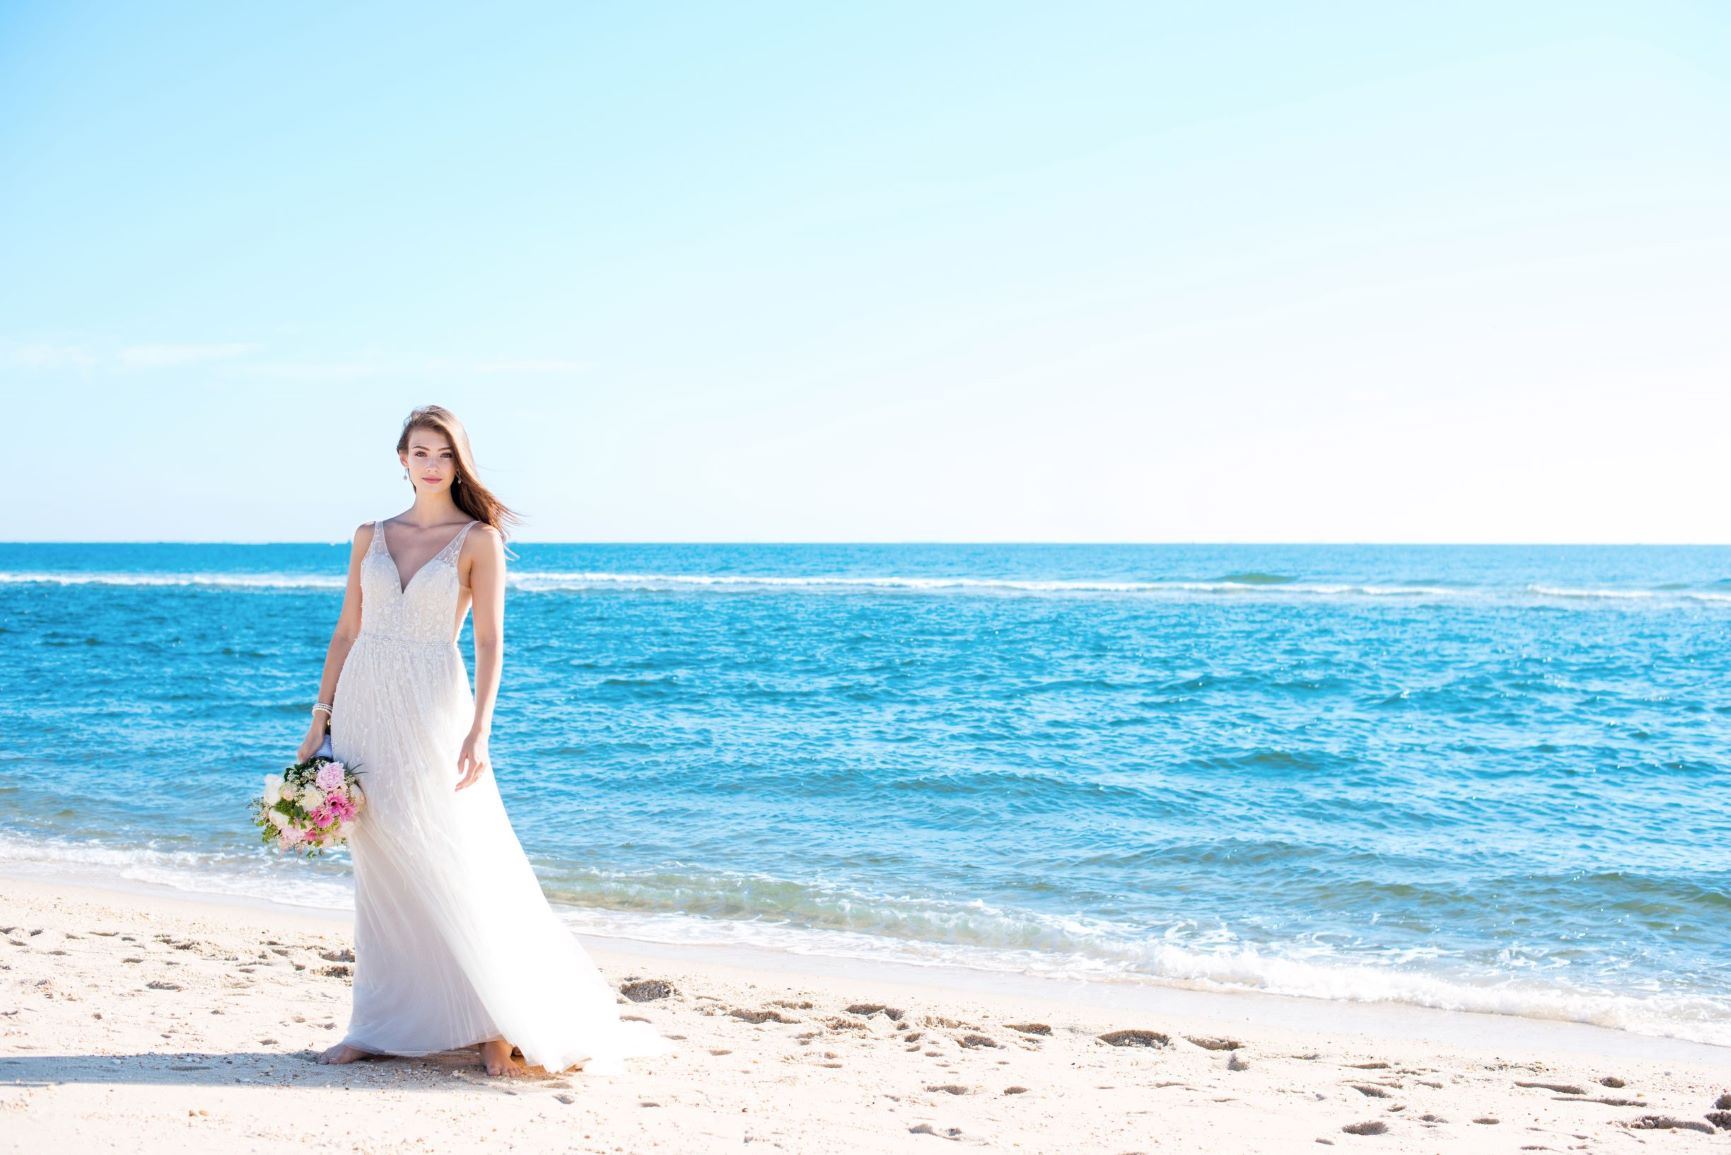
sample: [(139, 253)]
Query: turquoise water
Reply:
[(1475, 777)]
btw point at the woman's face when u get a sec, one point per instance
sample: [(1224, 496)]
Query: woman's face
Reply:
[(431, 462)]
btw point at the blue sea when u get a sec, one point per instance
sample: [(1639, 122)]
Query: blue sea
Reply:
[(1484, 778)]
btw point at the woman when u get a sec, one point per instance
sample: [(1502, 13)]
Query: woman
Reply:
[(455, 944)]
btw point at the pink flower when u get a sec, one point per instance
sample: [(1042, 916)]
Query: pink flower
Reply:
[(330, 776)]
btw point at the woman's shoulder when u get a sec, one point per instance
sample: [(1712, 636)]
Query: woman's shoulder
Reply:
[(482, 536)]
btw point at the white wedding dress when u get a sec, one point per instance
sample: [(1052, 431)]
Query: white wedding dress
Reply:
[(455, 943)]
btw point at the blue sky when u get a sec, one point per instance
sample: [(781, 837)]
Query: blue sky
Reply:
[(925, 271)]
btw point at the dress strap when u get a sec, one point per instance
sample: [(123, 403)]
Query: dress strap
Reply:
[(456, 543)]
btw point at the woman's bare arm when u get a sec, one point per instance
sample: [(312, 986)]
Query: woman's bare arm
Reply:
[(342, 640), (487, 586)]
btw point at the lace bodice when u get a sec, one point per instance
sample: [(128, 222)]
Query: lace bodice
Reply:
[(424, 612)]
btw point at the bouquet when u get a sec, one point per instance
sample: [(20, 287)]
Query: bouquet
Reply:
[(310, 806)]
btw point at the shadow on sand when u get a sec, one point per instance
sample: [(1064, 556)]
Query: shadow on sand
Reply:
[(298, 1068)]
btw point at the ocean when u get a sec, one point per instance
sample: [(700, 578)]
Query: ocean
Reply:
[(1481, 778)]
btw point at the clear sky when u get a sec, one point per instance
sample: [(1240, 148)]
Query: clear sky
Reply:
[(872, 271)]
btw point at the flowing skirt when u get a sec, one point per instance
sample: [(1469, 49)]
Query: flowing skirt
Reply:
[(455, 943)]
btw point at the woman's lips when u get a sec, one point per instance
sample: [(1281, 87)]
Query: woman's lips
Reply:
[(429, 479)]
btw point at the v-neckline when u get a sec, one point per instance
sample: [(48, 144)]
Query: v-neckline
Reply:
[(385, 544)]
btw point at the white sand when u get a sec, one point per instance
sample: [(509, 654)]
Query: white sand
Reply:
[(133, 1021)]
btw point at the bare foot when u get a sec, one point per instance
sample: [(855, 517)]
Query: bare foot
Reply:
[(497, 1057), (343, 1053)]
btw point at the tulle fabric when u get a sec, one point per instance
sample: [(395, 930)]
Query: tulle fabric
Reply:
[(455, 943)]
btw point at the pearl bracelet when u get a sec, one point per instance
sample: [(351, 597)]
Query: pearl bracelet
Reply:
[(325, 706)]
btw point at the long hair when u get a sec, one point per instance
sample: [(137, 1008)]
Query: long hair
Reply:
[(470, 496)]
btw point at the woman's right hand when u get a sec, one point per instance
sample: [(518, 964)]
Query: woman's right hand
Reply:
[(314, 739)]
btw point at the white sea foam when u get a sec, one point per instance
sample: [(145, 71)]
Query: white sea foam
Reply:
[(214, 580), (533, 581), (261, 876), (976, 936), (1615, 594), (1310, 973), (581, 580)]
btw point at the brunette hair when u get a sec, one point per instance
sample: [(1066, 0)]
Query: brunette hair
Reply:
[(470, 496)]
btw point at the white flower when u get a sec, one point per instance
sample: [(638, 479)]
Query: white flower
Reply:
[(277, 819), (287, 792), (272, 789), (311, 799)]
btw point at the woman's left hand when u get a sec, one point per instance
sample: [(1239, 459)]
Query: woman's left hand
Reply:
[(473, 759)]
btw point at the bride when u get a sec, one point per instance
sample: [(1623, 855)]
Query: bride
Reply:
[(455, 945)]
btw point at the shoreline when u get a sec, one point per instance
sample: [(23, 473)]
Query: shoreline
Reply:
[(1386, 1019), (158, 1022)]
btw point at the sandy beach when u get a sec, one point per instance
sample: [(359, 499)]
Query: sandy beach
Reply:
[(141, 1021)]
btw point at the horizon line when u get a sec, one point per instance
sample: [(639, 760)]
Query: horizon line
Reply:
[(945, 541)]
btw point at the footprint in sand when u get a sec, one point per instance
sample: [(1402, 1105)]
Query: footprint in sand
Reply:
[(1208, 1043), (954, 1134), (760, 1016), (1666, 1123), (1559, 1088), (645, 990), (1374, 1127), (1136, 1038)]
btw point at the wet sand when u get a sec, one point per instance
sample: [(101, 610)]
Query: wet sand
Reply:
[(139, 1022)]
